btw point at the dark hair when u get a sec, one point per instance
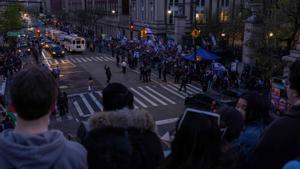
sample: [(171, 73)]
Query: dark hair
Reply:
[(233, 121), (33, 92), (257, 107), (116, 96), (294, 76), (197, 144), (108, 148)]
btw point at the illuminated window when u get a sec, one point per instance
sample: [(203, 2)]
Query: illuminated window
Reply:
[(224, 17), (200, 17)]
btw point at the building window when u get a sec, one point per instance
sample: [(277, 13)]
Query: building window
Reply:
[(200, 18), (224, 17), (142, 4), (201, 3), (151, 11), (224, 3)]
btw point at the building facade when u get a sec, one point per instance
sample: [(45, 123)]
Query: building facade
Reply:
[(158, 15)]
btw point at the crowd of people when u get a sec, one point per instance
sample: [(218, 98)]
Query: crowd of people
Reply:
[(121, 137), (10, 62)]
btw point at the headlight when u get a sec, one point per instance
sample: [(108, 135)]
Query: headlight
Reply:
[(53, 53)]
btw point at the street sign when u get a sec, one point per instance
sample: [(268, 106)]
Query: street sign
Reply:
[(195, 33), (13, 34)]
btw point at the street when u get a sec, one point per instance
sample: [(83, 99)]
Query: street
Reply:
[(161, 99)]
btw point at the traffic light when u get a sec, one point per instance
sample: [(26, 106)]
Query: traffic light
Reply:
[(37, 32), (131, 27)]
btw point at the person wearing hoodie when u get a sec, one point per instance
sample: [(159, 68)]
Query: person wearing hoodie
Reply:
[(119, 112), (31, 145)]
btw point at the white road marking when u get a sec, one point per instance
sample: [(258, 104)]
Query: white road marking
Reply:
[(160, 95), (105, 59), (88, 59), (56, 62), (196, 88), (94, 59), (73, 60), (176, 87), (96, 102), (78, 60), (154, 97), (166, 121), (140, 102), (176, 93), (89, 107), (99, 58), (141, 95), (83, 60), (69, 117), (79, 110)]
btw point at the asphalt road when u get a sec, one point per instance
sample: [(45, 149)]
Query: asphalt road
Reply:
[(161, 99)]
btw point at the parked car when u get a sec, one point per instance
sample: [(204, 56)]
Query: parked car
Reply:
[(204, 101), (56, 51)]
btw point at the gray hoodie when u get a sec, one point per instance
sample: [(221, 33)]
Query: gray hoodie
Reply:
[(49, 150)]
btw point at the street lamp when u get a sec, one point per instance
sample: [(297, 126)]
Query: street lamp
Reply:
[(113, 11), (169, 12), (223, 34), (197, 15), (271, 34)]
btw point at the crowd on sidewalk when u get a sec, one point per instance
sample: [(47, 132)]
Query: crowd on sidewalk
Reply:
[(10, 62), (122, 137)]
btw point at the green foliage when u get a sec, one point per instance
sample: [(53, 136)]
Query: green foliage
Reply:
[(263, 59), (284, 20), (11, 18)]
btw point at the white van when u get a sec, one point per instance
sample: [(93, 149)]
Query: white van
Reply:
[(74, 43)]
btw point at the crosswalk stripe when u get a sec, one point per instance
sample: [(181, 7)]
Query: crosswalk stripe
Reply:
[(194, 87), (160, 95), (89, 107), (154, 97), (72, 60), (96, 102), (50, 61), (58, 117), (94, 59), (99, 92), (188, 89), (79, 110), (135, 106), (88, 59), (140, 102), (69, 117), (99, 59), (109, 58), (83, 60), (55, 62), (176, 87), (104, 59), (78, 60), (141, 95), (176, 93)]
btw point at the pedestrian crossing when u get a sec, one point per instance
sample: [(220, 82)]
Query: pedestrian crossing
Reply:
[(74, 60), (87, 104)]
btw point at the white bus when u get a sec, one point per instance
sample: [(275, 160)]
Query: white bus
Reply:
[(74, 43)]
